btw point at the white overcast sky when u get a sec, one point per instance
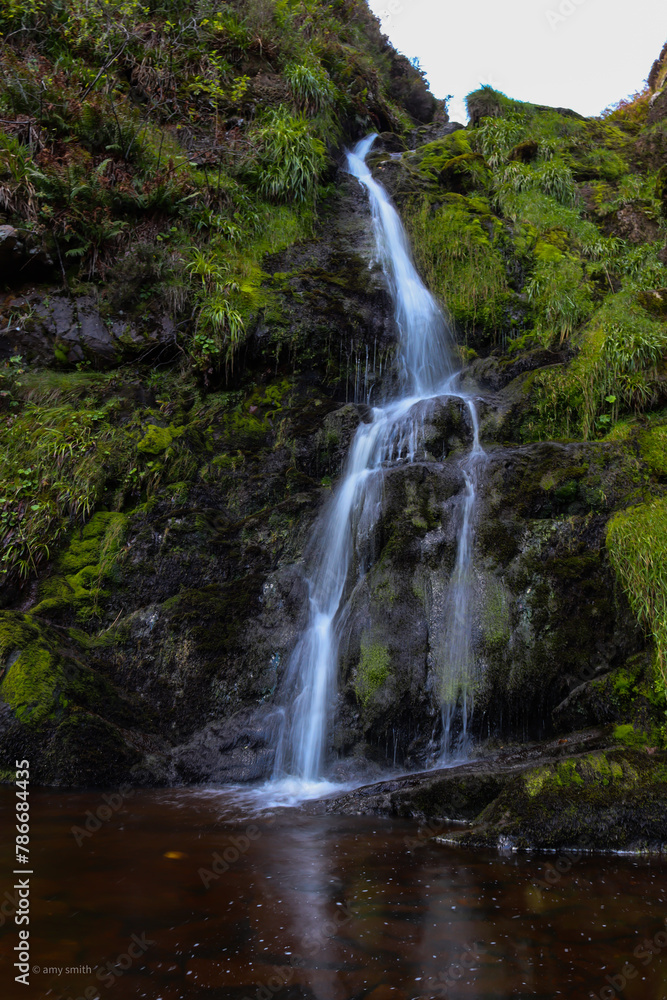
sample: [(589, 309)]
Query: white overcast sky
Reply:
[(580, 54)]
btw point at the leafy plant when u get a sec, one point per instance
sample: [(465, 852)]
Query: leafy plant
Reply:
[(311, 87), (219, 327), (287, 158), (560, 296), (637, 547)]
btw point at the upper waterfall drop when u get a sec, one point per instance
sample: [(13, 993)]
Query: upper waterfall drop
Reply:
[(426, 341)]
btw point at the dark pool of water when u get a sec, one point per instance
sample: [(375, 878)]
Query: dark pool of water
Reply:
[(194, 897)]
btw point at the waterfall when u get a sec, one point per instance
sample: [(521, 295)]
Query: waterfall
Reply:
[(460, 675), (392, 436)]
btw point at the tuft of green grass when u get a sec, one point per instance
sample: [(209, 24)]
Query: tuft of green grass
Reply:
[(311, 86), (637, 547), (287, 158), (460, 262)]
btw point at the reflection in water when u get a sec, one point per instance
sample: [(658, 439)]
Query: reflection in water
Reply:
[(241, 903)]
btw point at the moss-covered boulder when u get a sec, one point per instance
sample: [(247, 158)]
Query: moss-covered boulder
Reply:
[(65, 716), (613, 799)]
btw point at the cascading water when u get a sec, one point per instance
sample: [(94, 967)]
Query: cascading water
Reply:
[(459, 675), (392, 436)]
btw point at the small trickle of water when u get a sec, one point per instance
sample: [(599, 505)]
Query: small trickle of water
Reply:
[(393, 436), (460, 675)]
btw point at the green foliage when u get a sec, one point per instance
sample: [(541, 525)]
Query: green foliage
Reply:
[(21, 15), (51, 474), (460, 261), (637, 547), (311, 87), (616, 370), (219, 328), (287, 160), (560, 295)]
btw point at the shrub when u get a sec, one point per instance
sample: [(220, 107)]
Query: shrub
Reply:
[(287, 160), (312, 89), (560, 295)]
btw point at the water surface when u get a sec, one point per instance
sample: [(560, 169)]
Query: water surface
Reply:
[(305, 907)]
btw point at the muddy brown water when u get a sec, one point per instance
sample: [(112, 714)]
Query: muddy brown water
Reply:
[(192, 895)]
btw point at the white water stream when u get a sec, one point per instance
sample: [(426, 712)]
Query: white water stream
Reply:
[(392, 436)]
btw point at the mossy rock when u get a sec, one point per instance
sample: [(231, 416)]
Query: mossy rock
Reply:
[(155, 440), (372, 671), (654, 301), (653, 448), (605, 799), (214, 615), (524, 152), (80, 572), (45, 678), (89, 751), (465, 173), (32, 681)]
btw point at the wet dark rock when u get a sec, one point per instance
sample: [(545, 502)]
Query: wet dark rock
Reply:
[(69, 330), (585, 792), (20, 261), (241, 749)]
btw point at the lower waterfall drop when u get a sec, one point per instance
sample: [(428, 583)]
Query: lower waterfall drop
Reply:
[(392, 436)]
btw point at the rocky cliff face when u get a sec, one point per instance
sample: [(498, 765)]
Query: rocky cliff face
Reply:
[(177, 405)]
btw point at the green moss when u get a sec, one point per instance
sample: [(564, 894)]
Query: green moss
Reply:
[(572, 775), (155, 440), (383, 586), (372, 671), (630, 737), (495, 617), (653, 448), (84, 566), (30, 686), (32, 679), (433, 156)]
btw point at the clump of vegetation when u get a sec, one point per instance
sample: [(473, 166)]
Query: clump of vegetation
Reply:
[(461, 260), (287, 159), (637, 546), (616, 371), (311, 87)]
